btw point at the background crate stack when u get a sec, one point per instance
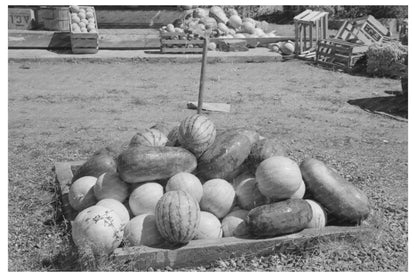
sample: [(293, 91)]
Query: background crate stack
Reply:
[(339, 54), (177, 43), (84, 43)]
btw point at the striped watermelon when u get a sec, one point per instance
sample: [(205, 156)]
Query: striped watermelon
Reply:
[(196, 133), (177, 216), (150, 137)]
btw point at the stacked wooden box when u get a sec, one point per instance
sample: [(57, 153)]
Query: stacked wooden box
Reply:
[(177, 43), (84, 43)]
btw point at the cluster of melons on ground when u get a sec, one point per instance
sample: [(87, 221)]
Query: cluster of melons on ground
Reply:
[(82, 20), (192, 182), (217, 23)]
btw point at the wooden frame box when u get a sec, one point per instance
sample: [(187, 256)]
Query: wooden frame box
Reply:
[(84, 43)]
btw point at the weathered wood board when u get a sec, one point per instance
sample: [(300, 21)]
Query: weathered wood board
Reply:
[(202, 252), (21, 19)]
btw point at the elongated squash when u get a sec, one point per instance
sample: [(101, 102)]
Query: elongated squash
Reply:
[(225, 157), (285, 217), (96, 165), (144, 163), (343, 202)]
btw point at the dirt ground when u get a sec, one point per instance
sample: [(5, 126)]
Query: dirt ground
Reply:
[(62, 112)]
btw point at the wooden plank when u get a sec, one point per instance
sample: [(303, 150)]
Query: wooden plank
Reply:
[(202, 252), (307, 18), (137, 18), (377, 25), (302, 14), (22, 19), (214, 107), (38, 39)]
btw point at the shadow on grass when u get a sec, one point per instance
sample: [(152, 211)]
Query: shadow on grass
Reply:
[(396, 106)]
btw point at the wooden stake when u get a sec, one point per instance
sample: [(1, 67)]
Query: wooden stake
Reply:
[(202, 78)]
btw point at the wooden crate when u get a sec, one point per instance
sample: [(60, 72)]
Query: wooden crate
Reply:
[(21, 19), (365, 29), (176, 43), (338, 53), (310, 26), (84, 43), (202, 252)]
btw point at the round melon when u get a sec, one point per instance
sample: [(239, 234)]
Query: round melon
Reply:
[(278, 177), (109, 185), (196, 133), (319, 217), (173, 137), (98, 229), (209, 227), (144, 198), (177, 216), (81, 193), (218, 197), (234, 225), (186, 182), (117, 207), (142, 230), (264, 149), (248, 27), (248, 195), (150, 137), (235, 21), (222, 27), (288, 48), (212, 46), (300, 192)]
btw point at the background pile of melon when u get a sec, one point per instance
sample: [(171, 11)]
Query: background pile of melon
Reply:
[(192, 182), (217, 23)]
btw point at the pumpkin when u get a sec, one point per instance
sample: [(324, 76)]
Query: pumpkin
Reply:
[(218, 13), (218, 197), (144, 163), (318, 215), (186, 182), (96, 165), (224, 158), (264, 149), (150, 137), (142, 230), (117, 207), (248, 195), (177, 216), (278, 177), (235, 21), (98, 229), (234, 225), (196, 133), (81, 193), (280, 218), (209, 227), (212, 46), (109, 185), (173, 137), (343, 202), (144, 198)]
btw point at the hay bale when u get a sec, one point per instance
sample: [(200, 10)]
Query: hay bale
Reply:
[(386, 59)]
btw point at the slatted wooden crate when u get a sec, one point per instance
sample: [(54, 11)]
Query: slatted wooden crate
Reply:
[(310, 26), (366, 29), (84, 43), (338, 53), (177, 43)]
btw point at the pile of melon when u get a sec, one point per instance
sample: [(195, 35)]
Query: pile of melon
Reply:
[(82, 19), (194, 182), (216, 22)]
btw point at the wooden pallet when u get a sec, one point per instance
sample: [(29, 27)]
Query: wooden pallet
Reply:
[(202, 252), (84, 43), (338, 53), (365, 29), (176, 43), (310, 26)]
